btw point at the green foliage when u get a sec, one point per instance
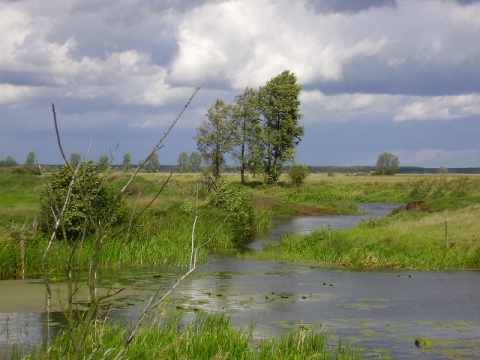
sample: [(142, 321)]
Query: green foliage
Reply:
[(153, 164), (239, 206), (247, 132), (387, 164), (92, 202), (75, 159), (30, 159), (214, 136), (8, 162), (183, 162), (298, 173), (279, 104), (103, 163), (207, 336), (127, 162)]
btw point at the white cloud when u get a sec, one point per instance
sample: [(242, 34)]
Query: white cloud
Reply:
[(248, 42), (440, 108), (431, 157), (347, 107), (10, 93)]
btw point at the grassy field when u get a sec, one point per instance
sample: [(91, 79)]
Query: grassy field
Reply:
[(444, 235), (406, 240)]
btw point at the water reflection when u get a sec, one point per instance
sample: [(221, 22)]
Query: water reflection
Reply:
[(26, 331)]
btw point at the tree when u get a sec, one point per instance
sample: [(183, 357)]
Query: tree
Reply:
[(30, 159), (245, 115), (279, 108), (214, 136), (152, 165), (195, 161), (442, 170), (387, 164), (8, 162), (298, 173), (103, 163), (183, 162), (126, 162), (75, 159)]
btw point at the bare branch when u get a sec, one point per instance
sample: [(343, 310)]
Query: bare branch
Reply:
[(160, 142)]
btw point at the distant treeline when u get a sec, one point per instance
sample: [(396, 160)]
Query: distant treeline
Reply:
[(357, 169), (352, 170), (401, 170)]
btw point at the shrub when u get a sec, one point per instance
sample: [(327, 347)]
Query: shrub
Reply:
[(238, 204), (92, 202), (298, 173)]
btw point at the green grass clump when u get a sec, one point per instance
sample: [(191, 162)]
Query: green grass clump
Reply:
[(208, 336)]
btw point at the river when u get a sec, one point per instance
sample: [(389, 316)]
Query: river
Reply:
[(382, 312)]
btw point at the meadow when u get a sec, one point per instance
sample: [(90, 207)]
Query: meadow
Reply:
[(441, 236)]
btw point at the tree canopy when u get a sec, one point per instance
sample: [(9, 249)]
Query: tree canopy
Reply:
[(387, 164), (214, 136), (260, 130), (279, 107)]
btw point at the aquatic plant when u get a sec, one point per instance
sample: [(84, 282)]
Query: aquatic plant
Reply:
[(207, 336)]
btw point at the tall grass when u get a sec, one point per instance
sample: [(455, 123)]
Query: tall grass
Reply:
[(402, 241), (208, 336)]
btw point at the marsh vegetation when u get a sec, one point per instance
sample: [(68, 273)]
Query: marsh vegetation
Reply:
[(443, 235)]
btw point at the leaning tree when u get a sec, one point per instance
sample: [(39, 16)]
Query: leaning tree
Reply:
[(279, 116)]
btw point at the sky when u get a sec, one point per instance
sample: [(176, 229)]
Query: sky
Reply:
[(397, 76)]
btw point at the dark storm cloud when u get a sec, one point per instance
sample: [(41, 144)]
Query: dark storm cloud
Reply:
[(371, 75), (467, 2), (348, 6)]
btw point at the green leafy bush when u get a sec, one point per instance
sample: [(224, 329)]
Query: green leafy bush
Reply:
[(238, 204), (298, 173), (92, 202)]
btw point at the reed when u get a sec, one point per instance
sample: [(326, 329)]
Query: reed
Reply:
[(207, 336)]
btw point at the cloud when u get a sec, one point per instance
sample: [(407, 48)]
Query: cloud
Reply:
[(12, 94), (236, 43), (430, 157), (348, 6), (440, 108), (126, 68)]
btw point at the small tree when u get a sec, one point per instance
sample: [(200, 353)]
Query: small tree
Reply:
[(8, 162), (103, 163), (214, 137), (75, 159), (183, 162), (153, 164), (30, 159), (246, 117), (298, 173), (387, 164), (442, 170), (195, 161), (126, 162)]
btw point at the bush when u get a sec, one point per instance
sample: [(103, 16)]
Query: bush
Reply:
[(92, 202), (297, 174), (238, 204)]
